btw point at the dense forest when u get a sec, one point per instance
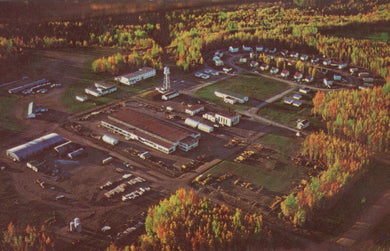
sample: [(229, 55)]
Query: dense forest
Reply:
[(186, 221), (358, 124), (187, 35)]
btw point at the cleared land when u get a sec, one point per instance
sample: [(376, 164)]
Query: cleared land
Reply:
[(272, 170), (143, 86), (8, 123), (71, 68), (288, 114), (358, 198), (382, 33), (255, 87)]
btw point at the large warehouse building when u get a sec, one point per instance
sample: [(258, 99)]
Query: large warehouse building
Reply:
[(152, 132), (33, 147), (134, 77)]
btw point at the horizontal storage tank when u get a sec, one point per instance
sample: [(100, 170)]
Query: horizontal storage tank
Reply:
[(205, 128), (107, 160), (63, 148), (191, 122), (76, 153), (110, 140)]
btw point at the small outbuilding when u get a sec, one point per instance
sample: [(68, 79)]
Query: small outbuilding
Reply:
[(194, 109), (288, 100), (302, 123), (298, 76), (297, 103), (285, 73), (264, 67), (274, 70), (297, 96)]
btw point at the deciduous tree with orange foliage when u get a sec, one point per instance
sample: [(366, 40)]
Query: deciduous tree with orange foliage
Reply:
[(31, 238), (358, 125), (187, 221)]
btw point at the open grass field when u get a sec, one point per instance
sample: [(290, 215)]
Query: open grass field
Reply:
[(7, 121), (86, 78), (278, 180), (255, 87), (143, 86), (282, 144), (275, 172), (382, 36), (288, 114), (375, 32)]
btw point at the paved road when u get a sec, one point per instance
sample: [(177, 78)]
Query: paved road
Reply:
[(255, 109), (270, 122)]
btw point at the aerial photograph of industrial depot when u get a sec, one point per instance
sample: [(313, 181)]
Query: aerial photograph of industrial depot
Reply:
[(195, 125)]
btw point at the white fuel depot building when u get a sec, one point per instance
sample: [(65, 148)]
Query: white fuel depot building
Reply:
[(134, 77)]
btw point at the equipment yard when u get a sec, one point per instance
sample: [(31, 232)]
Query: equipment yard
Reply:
[(101, 151)]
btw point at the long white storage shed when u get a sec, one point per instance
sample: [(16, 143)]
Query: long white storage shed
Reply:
[(109, 140), (35, 146), (205, 128), (191, 122)]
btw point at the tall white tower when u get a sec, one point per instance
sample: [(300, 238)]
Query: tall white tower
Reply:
[(167, 80), (166, 87)]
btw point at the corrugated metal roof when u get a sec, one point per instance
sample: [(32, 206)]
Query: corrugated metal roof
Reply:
[(35, 146), (155, 127)]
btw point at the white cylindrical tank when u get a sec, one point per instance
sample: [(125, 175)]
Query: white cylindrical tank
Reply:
[(78, 228), (110, 140), (191, 122), (71, 227), (205, 128), (77, 224)]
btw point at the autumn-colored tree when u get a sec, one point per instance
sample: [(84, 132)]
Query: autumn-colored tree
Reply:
[(31, 238), (186, 221)]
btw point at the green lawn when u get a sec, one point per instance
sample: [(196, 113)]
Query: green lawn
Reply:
[(288, 114), (85, 77), (253, 86), (382, 36), (143, 85), (276, 172), (7, 121), (282, 144)]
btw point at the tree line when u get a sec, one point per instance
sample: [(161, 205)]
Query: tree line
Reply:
[(191, 33), (358, 124), (187, 221)]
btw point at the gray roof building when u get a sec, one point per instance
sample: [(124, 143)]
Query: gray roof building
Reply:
[(35, 146)]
